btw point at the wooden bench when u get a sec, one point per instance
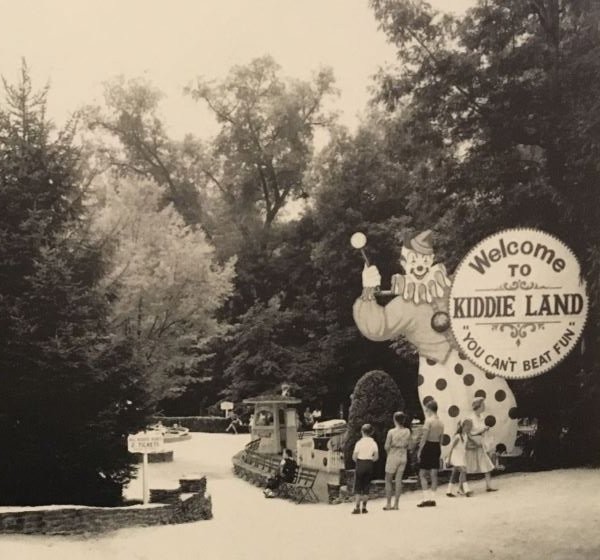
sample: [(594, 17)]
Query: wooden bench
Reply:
[(302, 487), (251, 447), (263, 466)]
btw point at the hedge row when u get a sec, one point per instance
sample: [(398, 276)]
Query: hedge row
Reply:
[(210, 424)]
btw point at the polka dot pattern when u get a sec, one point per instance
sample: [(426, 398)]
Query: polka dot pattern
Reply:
[(431, 362), (420, 380), (446, 439), (454, 390), (490, 375), (462, 355)]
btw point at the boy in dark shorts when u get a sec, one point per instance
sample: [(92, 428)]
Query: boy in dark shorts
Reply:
[(365, 456), (429, 453)]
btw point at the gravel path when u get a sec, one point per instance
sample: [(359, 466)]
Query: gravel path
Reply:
[(546, 516)]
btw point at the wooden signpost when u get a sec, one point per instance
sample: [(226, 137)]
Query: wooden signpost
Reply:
[(144, 443), (227, 407)]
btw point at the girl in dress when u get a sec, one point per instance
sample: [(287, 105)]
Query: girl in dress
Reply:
[(480, 445), (396, 444), (457, 458)]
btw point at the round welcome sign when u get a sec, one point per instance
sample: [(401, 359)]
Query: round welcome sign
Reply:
[(517, 303)]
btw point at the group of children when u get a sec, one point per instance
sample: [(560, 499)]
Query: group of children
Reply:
[(468, 453)]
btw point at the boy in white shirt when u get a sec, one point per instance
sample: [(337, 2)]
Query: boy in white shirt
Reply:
[(365, 456)]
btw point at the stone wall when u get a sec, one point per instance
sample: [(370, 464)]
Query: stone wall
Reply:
[(182, 508)]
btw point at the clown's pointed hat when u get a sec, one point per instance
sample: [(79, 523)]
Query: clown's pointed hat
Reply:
[(420, 243)]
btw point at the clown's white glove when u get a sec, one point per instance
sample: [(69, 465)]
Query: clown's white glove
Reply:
[(371, 277)]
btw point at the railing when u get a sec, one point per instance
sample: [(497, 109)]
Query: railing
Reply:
[(306, 435)]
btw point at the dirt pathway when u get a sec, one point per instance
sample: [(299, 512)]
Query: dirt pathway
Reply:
[(546, 516)]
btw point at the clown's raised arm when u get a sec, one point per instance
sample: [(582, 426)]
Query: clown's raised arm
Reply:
[(375, 321), (420, 293), (400, 317)]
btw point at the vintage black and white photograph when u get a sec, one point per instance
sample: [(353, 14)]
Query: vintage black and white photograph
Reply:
[(290, 279)]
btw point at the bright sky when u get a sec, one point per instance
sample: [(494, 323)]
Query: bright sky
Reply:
[(79, 44)]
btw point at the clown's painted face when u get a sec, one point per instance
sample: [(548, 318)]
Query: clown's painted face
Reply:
[(416, 265)]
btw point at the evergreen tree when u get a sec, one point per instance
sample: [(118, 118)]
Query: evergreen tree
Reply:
[(69, 393)]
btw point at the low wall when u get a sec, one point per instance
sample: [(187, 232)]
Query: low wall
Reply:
[(209, 424), (55, 520)]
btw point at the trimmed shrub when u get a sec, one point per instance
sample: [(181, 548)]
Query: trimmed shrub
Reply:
[(375, 399)]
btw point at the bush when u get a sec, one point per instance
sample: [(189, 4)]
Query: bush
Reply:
[(208, 424), (375, 399)]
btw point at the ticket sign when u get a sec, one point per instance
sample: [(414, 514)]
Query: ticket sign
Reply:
[(517, 304), (226, 405), (145, 442)]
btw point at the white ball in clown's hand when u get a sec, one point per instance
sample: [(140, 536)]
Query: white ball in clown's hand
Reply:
[(358, 240)]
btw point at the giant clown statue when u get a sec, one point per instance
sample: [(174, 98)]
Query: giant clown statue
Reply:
[(418, 312)]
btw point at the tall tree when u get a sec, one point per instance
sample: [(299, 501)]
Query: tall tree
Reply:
[(163, 279), (265, 142), (129, 137), (69, 392), (305, 334)]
